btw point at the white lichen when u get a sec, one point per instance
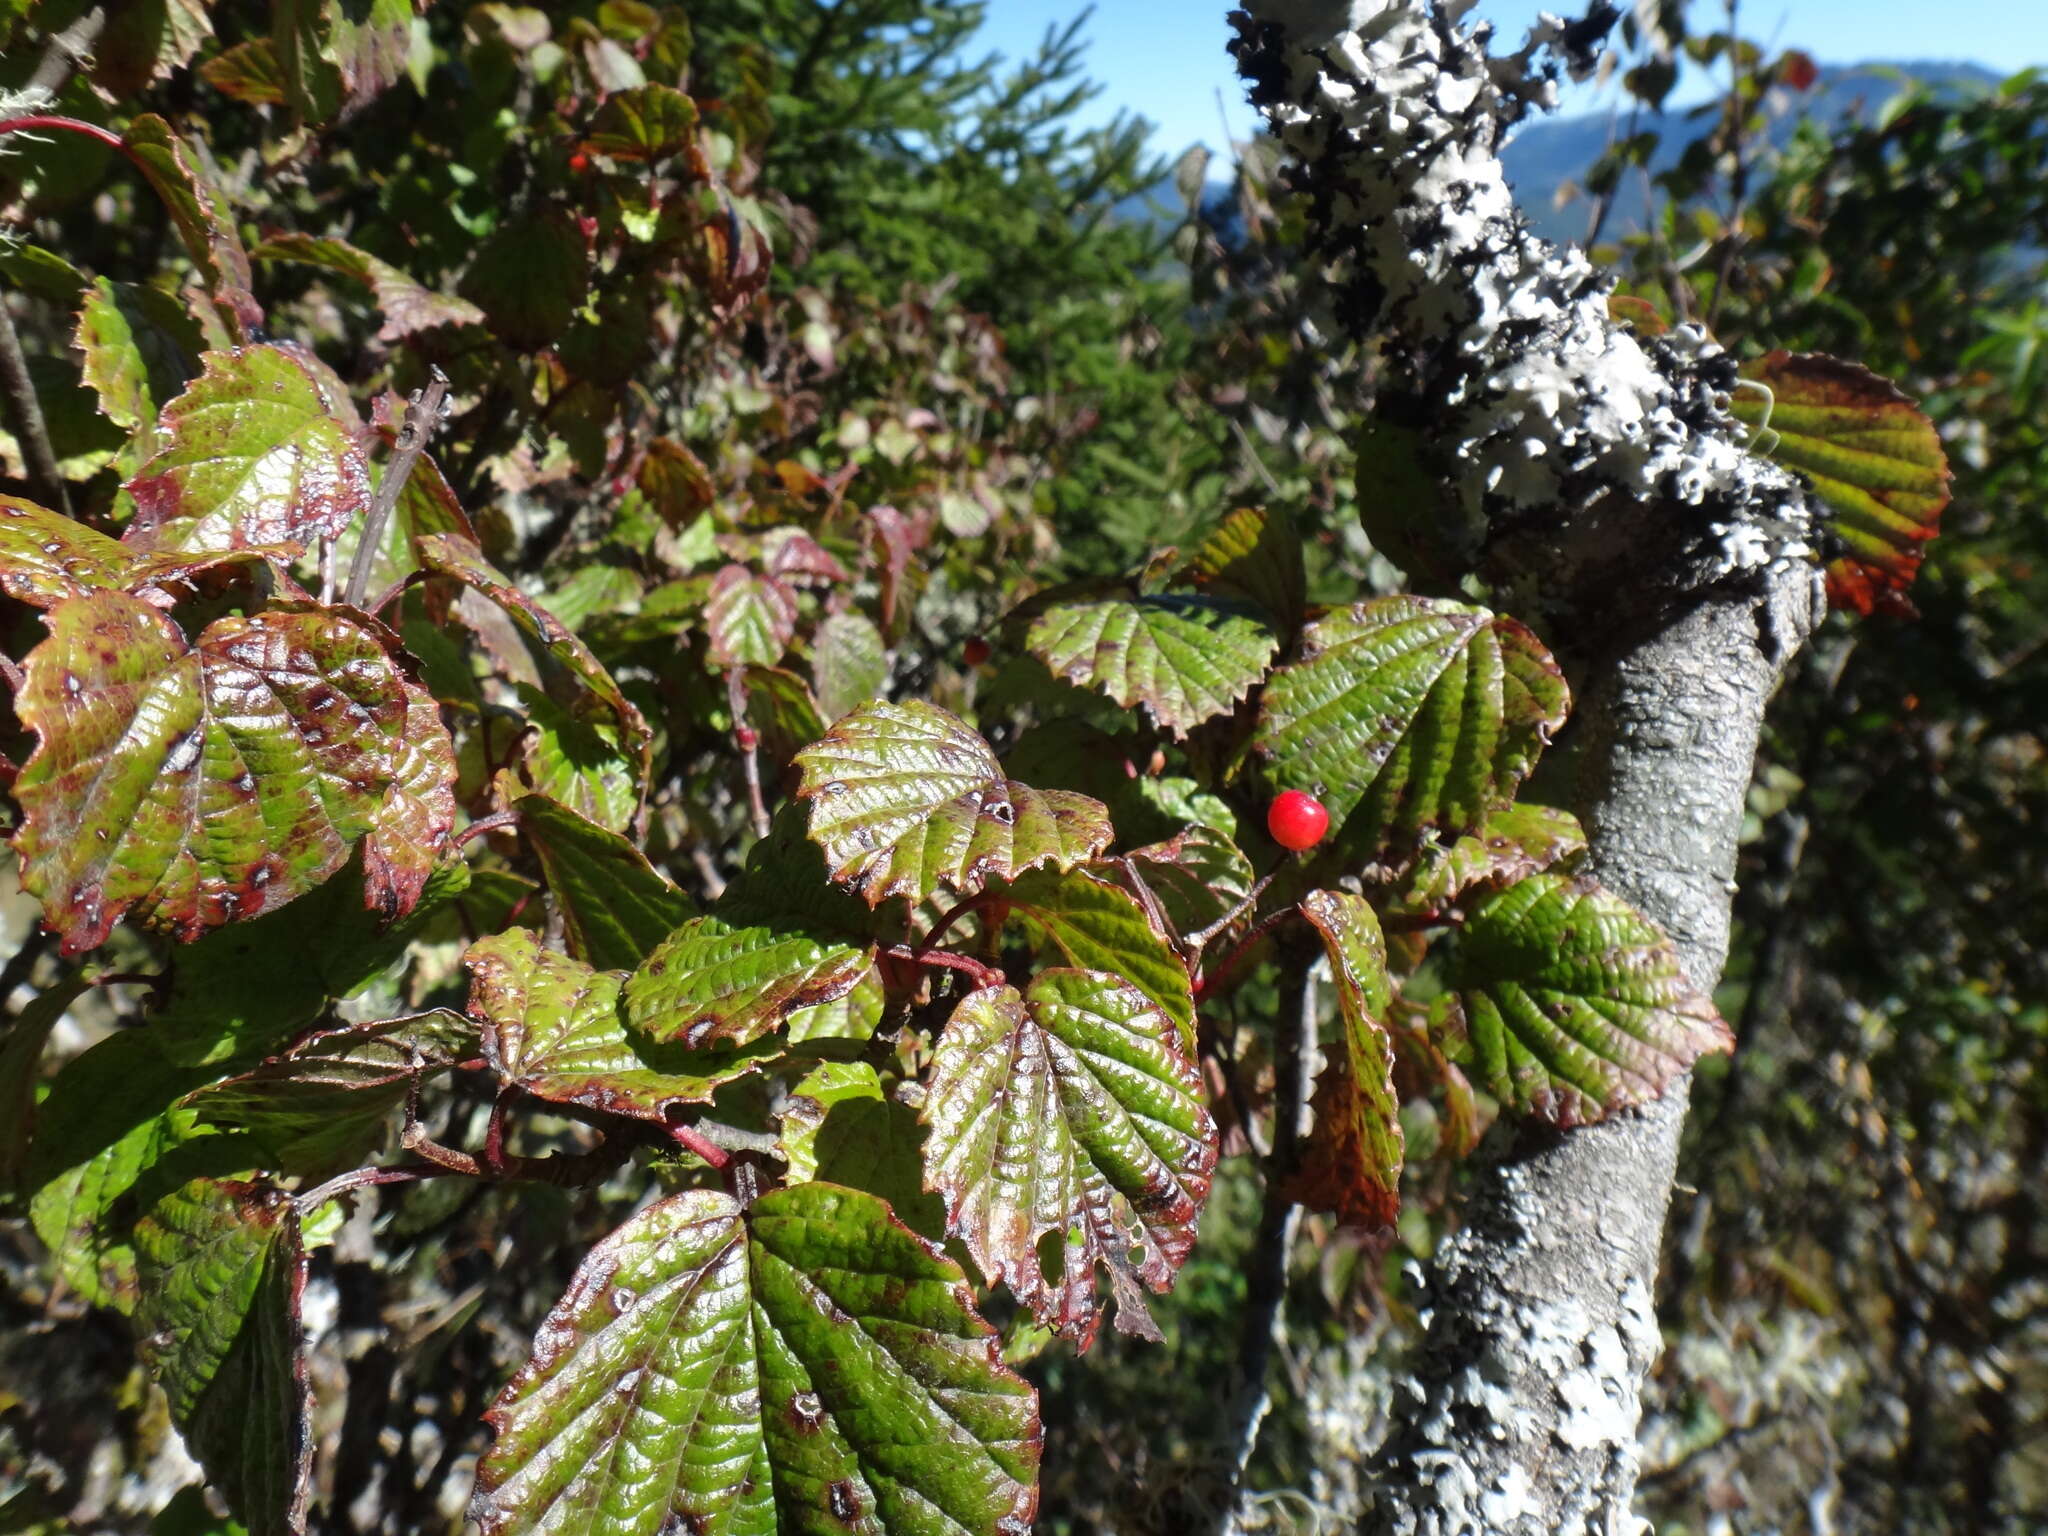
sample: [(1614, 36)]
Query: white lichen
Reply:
[(1535, 403)]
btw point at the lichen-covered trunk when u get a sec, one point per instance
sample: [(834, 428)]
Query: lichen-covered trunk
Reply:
[(1526, 1398), (1597, 476)]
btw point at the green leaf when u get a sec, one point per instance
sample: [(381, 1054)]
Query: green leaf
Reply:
[(1255, 555), (244, 990), (552, 1027), (905, 798), (578, 763), (46, 557), (647, 123), (1101, 927), (1401, 504), (720, 982), (849, 663), (260, 450), (1069, 1113), (109, 1124), (1869, 452), (749, 617), (195, 785), (21, 1055), (1352, 1165), (839, 1126), (1511, 843), (1186, 659), (456, 557), (140, 350), (616, 907), (408, 307), (1568, 1004), (201, 217), (854, 1016), (530, 278), (222, 1269), (1408, 714), (323, 1105), (807, 1365), (249, 72), (147, 41)]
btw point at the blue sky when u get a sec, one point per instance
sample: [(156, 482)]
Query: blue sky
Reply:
[(1165, 58)]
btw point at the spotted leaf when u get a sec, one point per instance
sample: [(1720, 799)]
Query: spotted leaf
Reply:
[(806, 1365), (1565, 1003), (905, 798), (1069, 1113), (197, 783)]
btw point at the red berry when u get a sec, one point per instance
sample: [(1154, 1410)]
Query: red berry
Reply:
[(1297, 820), (975, 652), (579, 162)]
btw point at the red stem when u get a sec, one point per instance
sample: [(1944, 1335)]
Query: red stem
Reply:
[(491, 823), (693, 1141), (946, 960), (68, 125), (938, 931)]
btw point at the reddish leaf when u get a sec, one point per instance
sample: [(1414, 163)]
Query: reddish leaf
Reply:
[(263, 449), (1353, 1163), (198, 784), (1870, 454), (750, 618), (202, 219)]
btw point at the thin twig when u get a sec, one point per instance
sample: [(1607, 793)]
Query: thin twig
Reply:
[(1212, 981), (1294, 1057), (748, 740), (1200, 941), (422, 415), (29, 425), (359, 1178)]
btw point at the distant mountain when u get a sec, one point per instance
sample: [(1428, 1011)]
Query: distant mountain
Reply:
[(1548, 154)]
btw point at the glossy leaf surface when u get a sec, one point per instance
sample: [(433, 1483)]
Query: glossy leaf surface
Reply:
[(552, 1027), (1098, 926), (221, 1270), (1353, 1162), (1186, 659), (1870, 454), (808, 1365), (261, 449), (1069, 1111), (616, 907), (906, 798), (715, 981), (1566, 1003), (198, 784), (1409, 713)]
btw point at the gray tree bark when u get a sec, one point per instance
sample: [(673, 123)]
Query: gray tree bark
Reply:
[(1527, 1397), (1595, 474)]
